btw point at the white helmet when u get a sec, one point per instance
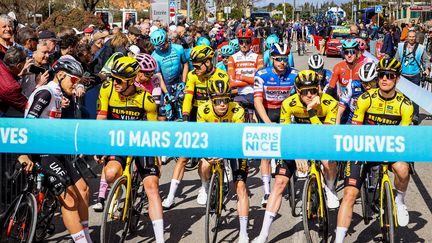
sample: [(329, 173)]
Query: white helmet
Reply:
[(316, 62), (368, 72)]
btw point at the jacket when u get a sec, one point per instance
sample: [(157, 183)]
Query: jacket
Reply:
[(10, 91)]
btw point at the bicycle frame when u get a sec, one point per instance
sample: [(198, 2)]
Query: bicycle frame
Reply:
[(316, 172), (217, 169), (128, 175), (386, 178)]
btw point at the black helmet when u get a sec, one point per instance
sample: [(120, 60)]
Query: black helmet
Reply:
[(68, 65)]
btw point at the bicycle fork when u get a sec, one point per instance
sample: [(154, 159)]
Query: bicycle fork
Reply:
[(317, 175), (386, 179)]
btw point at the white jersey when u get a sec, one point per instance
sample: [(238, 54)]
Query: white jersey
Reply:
[(45, 102)]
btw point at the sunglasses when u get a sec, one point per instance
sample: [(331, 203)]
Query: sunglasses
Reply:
[(118, 80), (197, 66), (388, 74), (220, 101), (148, 74), (74, 79), (281, 59), (305, 91), (350, 52), (225, 57), (244, 41)]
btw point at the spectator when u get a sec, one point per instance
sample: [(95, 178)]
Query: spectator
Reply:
[(117, 44), (145, 30), (420, 34), (388, 45), (6, 34), (404, 33), (27, 38), (39, 75), (68, 43), (133, 34), (13, 66), (51, 39)]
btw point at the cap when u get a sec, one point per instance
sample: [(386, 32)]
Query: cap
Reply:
[(99, 35), (88, 30), (134, 30), (173, 28), (153, 28), (46, 34), (134, 49)]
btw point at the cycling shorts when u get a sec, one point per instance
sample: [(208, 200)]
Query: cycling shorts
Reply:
[(246, 101), (355, 175), (60, 165), (273, 114), (285, 167), (147, 166), (240, 169)]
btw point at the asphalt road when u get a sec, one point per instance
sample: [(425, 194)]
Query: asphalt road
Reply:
[(185, 222)]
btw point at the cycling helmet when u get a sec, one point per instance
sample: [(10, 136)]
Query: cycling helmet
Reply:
[(146, 62), (245, 33), (227, 50), (125, 68), (276, 49), (218, 87), (68, 65), (271, 39), (306, 78), (158, 37), (202, 41), (350, 44), (201, 53), (316, 62), (109, 63), (362, 44), (389, 64), (235, 43), (368, 72)]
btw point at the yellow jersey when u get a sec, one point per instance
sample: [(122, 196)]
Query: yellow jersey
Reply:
[(139, 106), (326, 112), (235, 113), (373, 109), (196, 89)]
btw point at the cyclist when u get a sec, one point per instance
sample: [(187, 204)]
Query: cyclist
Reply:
[(308, 106), (195, 95), (242, 67), (235, 43), (226, 51), (147, 78), (381, 106), (272, 39), (120, 99), (199, 41), (220, 108), (47, 102), (272, 86), (316, 63), (363, 46), (345, 72), (368, 76), (171, 63)]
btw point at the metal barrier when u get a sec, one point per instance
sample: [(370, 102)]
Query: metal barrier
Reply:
[(8, 190)]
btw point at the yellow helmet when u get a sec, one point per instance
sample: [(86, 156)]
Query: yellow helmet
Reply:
[(201, 53), (218, 87), (306, 78), (389, 64), (125, 68)]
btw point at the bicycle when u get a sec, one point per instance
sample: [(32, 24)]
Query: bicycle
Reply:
[(382, 204), (173, 104), (27, 211), (124, 205), (314, 208), (191, 164), (216, 199)]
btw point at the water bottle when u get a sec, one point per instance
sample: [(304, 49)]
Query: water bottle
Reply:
[(39, 180)]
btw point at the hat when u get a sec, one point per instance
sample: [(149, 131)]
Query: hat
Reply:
[(46, 34), (134, 30), (99, 35), (153, 28), (134, 49), (88, 30)]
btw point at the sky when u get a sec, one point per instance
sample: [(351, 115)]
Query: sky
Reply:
[(261, 3)]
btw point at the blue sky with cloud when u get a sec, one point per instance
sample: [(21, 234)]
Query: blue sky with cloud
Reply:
[(298, 2)]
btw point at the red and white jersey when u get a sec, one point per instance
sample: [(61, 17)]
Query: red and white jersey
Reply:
[(244, 66), (45, 102)]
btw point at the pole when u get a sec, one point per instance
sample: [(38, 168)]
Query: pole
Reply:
[(49, 8), (293, 13), (188, 11), (284, 15)]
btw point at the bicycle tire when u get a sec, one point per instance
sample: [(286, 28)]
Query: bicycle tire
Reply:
[(212, 209), (28, 208), (137, 203), (44, 226), (292, 195), (106, 233), (388, 229), (365, 201), (310, 210), (192, 164)]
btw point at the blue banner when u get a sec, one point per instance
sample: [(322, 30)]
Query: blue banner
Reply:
[(226, 140)]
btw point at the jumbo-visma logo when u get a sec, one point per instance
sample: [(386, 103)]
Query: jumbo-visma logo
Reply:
[(262, 141)]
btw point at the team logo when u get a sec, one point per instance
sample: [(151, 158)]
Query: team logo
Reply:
[(262, 142)]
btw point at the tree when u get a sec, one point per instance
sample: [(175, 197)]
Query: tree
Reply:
[(89, 5), (288, 9), (347, 7)]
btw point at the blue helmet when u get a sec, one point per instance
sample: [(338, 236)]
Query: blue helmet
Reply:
[(271, 39), (235, 43), (350, 44), (158, 37), (227, 50), (202, 41), (278, 50)]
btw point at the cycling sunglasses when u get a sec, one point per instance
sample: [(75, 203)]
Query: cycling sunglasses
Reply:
[(148, 74), (350, 51), (388, 74), (74, 79), (281, 59), (118, 80), (305, 91), (221, 100), (244, 41), (225, 57), (197, 66)]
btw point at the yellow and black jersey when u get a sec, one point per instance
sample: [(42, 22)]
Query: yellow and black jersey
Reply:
[(196, 88), (139, 106), (326, 112), (373, 109), (235, 113)]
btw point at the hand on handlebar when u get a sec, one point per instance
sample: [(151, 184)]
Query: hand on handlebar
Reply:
[(100, 159)]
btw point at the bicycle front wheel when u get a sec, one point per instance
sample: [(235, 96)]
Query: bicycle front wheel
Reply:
[(315, 220), (19, 222), (388, 227), (365, 201), (114, 228), (292, 195), (213, 210)]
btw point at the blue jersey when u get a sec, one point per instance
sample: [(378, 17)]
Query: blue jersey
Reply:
[(269, 63), (187, 55), (273, 88), (170, 63), (222, 66), (349, 98), (326, 79)]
